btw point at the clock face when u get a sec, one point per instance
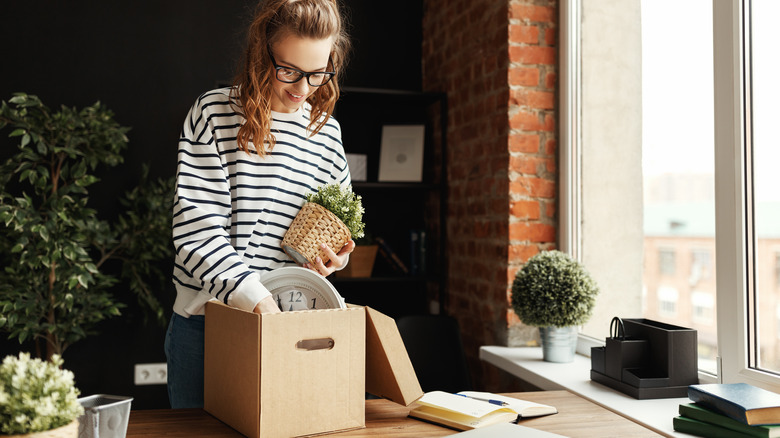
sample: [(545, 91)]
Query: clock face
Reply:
[(296, 288)]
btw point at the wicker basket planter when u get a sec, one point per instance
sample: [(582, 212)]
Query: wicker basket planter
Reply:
[(70, 430), (314, 225)]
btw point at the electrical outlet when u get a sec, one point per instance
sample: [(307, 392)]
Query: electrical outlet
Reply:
[(151, 374)]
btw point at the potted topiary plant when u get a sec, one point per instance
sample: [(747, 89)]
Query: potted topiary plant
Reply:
[(332, 215), (554, 292), (54, 285), (38, 398)]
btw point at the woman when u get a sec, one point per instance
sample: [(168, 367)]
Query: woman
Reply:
[(248, 155)]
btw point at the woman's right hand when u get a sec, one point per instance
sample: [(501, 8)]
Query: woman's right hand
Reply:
[(267, 305)]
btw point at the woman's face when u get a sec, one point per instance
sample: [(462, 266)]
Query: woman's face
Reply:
[(305, 54)]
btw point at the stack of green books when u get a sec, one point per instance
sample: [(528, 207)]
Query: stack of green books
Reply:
[(697, 420)]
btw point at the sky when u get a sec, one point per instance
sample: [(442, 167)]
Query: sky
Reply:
[(678, 90)]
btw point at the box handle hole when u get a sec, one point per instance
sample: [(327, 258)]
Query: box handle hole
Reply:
[(315, 344)]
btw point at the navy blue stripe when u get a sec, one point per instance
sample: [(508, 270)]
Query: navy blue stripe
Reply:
[(198, 219), (183, 284), (240, 280), (202, 189), (195, 250), (209, 255), (182, 236), (205, 202), (213, 288), (178, 210), (195, 176)]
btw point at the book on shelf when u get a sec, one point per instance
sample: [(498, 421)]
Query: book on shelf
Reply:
[(697, 412), (417, 252), (468, 410), (707, 430), (741, 401), (391, 257)]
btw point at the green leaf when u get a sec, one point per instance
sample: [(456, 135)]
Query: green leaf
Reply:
[(18, 99), (44, 233)]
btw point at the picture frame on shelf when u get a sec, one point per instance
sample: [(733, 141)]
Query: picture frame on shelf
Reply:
[(401, 154)]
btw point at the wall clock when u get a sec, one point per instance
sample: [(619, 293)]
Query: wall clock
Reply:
[(296, 288)]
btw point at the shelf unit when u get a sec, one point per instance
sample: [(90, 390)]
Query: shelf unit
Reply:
[(393, 209)]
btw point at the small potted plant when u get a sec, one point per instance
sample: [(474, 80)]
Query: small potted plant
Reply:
[(332, 215), (556, 293), (38, 398), (361, 261)]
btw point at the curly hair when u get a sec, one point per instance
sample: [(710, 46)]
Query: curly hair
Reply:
[(273, 21)]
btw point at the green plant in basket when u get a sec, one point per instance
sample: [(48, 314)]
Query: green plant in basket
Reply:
[(331, 216), (344, 203), (36, 395), (553, 290)]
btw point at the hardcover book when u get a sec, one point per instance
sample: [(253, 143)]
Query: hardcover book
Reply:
[(697, 412), (471, 410), (700, 428), (741, 401)]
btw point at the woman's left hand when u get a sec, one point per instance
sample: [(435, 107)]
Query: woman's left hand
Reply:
[(336, 261)]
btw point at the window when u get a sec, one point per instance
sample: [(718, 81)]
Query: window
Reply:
[(639, 145), (666, 262), (667, 301), (703, 307), (701, 266)]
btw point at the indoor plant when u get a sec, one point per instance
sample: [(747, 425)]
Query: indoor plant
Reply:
[(37, 397), (332, 215), (55, 287), (556, 293), (361, 260)]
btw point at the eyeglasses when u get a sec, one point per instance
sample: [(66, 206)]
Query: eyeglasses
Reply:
[(291, 75)]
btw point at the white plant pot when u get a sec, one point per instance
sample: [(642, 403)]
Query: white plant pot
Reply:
[(558, 343)]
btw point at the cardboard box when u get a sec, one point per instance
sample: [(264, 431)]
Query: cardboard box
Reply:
[(302, 373)]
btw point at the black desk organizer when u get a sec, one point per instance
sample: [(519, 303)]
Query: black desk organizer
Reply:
[(647, 359)]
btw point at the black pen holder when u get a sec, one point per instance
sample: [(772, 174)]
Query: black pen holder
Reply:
[(647, 359)]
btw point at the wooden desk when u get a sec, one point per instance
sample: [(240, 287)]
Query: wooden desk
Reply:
[(576, 417)]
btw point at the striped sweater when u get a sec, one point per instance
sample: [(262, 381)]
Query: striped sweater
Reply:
[(231, 209)]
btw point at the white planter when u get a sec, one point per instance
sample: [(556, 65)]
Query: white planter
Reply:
[(558, 343)]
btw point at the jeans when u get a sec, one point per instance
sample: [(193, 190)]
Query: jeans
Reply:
[(184, 345)]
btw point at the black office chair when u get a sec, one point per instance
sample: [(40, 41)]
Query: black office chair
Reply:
[(436, 351)]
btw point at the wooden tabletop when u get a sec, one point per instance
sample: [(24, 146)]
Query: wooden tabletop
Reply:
[(576, 417)]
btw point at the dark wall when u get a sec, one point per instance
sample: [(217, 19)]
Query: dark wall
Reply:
[(148, 62)]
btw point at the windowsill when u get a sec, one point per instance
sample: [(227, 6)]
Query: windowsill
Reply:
[(527, 364)]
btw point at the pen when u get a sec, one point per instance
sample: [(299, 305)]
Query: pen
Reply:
[(491, 401)]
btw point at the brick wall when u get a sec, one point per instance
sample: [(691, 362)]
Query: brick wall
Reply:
[(497, 62)]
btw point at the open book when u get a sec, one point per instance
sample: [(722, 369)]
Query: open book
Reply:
[(469, 409)]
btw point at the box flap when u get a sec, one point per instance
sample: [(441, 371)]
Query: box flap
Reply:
[(232, 367), (389, 371)]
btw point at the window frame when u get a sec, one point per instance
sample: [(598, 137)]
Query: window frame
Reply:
[(735, 239)]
